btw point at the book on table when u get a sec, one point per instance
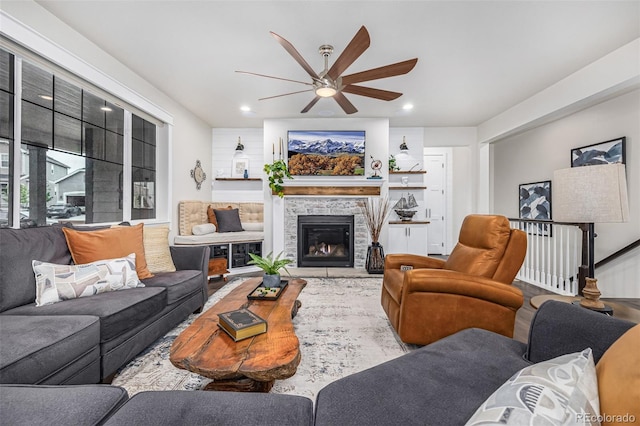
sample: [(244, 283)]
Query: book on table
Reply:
[(241, 324)]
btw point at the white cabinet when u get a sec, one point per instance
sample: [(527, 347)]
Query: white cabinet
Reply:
[(409, 237)]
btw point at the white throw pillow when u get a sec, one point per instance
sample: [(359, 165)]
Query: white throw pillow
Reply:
[(203, 229), (560, 391), (55, 283), (253, 226)]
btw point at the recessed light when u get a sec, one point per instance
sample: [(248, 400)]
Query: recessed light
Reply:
[(407, 107), (46, 97), (245, 108), (106, 108)]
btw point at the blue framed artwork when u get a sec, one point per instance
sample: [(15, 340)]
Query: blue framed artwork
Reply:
[(535, 204), (609, 152)]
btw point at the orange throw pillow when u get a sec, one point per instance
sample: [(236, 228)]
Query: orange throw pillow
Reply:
[(212, 215), (619, 380), (110, 243)]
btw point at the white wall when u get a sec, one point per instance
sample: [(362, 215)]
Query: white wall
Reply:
[(534, 155), (190, 136), (223, 151), (191, 142)]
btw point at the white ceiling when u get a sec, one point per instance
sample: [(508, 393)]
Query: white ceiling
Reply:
[(475, 58)]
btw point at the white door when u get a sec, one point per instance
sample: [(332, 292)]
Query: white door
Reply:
[(435, 195)]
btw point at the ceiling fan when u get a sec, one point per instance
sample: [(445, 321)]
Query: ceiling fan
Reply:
[(330, 83)]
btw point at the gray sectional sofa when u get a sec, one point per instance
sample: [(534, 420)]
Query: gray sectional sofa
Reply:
[(441, 383), (85, 340)]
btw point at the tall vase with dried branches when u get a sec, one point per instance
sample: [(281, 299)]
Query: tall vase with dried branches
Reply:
[(375, 212)]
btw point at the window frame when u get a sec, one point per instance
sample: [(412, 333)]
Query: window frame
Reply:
[(134, 103)]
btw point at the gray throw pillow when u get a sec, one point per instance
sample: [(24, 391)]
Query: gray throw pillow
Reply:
[(228, 220)]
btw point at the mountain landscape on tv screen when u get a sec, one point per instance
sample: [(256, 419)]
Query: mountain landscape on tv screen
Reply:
[(326, 147), (326, 153)]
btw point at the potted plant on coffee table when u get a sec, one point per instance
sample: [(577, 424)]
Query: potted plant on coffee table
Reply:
[(271, 267)]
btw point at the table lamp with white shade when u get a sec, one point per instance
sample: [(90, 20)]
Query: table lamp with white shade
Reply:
[(589, 195)]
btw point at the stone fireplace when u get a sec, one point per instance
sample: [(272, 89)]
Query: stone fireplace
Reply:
[(325, 207)]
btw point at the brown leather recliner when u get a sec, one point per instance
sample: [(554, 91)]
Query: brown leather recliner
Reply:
[(472, 288)]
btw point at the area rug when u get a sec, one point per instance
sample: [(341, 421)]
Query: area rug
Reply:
[(341, 327)]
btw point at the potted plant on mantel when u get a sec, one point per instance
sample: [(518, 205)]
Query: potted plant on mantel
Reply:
[(271, 267), (276, 172)]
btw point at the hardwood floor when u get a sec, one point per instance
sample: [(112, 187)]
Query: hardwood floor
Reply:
[(526, 312), (215, 284), (523, 317)]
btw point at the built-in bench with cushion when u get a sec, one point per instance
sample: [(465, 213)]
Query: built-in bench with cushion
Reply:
[(235, 231)]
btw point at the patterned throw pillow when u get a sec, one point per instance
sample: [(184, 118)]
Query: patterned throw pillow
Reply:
[(560, 391), (55, 283)]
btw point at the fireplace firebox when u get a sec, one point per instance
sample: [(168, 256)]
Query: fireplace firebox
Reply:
[(325, 240)]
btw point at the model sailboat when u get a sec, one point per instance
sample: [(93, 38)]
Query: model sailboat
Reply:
[(403, 207)]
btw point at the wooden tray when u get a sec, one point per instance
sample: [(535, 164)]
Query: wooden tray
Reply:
[(256, 294)]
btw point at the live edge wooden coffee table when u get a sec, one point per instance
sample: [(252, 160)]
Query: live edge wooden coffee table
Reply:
[(252, 364)]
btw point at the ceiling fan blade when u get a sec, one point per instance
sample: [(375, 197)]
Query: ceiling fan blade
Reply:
[(297, 56), (344, 103), (277, 78), (354, 49), (286, 94), (311, 104), (370, 92), (392, 70)]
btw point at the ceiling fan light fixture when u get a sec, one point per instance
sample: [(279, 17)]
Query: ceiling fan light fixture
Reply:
[(326, 91), (331, 83)]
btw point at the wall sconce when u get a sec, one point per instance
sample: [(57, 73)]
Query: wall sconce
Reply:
[(240, 146)]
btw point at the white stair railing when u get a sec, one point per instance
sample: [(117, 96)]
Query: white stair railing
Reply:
[(553, 255)]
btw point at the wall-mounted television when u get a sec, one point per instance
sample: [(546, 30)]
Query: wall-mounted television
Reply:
[(326, 152)]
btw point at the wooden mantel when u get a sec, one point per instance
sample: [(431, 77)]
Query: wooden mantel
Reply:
[(359, 187), (331, 190)]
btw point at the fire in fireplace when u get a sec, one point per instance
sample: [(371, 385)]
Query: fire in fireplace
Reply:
[(325, 240)]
